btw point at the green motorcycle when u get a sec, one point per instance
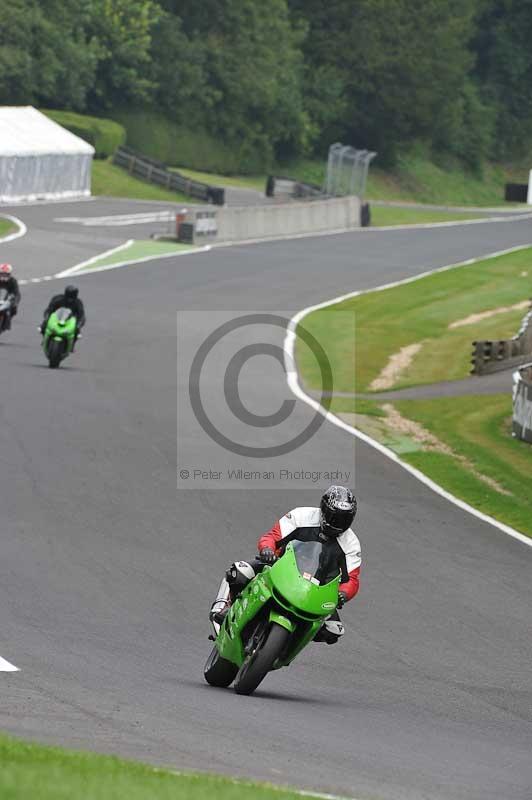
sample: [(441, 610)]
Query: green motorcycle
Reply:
[(276, 615), (59, 336)]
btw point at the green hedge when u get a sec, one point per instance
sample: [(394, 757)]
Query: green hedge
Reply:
[(158, 137), (105, 135)]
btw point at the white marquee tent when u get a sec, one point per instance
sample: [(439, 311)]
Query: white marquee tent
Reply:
[(39, 159)]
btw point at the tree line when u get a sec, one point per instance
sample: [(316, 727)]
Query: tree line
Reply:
[(287, 77)]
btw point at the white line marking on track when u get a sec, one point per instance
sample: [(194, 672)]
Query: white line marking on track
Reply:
[(131, 261), (242, 782), (57, 201), (340, 231), (79, 269), (122, 219), (293, 383), (22, 229), (5, 666), (73, 270), (480, 221)]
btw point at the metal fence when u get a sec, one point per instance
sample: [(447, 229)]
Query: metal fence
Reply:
[(347, 171), (148, 169), (291, 189)]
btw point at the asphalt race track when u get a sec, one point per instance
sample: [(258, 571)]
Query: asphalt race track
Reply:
[(107, 573)]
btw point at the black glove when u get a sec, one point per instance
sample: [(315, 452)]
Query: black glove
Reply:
[(342, 599), (267, 555)]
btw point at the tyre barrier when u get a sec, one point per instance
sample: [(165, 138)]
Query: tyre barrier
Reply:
[(522, 403)]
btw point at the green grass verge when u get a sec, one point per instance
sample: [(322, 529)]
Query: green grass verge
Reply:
[(480, 430), (366, 330), (257, 182), (418, 179), (113, 181), (153, 134), (141, 249), (391, 215), (50, 773), (477, 434), (7, 227), (483, 464)]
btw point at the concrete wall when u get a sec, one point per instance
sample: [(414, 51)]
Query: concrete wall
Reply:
[(271, 221)]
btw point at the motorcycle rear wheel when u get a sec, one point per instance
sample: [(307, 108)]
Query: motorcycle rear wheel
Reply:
[(259, 663), (218, 671)]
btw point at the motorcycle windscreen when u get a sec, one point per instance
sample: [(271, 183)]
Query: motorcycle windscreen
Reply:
[(63, 314), (316, 561), (4, 301)]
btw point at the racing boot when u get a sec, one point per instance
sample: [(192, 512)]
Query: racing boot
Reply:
[(330, 632)]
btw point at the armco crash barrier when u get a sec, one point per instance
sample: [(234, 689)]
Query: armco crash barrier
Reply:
[(522, 403), (271, 221), (493, 356), (148, 169)]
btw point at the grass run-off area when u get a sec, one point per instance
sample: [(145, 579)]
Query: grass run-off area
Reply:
[(477, 431), (393, 215), (50, 773), (416, 178), (6, 227), (362, 333), (463, 443), (257, 182), (138, 250), (413, 180), (113, 181)]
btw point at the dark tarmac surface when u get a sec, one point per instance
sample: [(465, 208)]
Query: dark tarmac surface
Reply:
[(107, 572)]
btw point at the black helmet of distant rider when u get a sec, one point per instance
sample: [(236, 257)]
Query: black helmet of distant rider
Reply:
[(338, 508), (71, 292), (73, 301)]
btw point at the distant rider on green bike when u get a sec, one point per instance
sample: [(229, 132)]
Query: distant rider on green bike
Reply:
[(330, 524), (69, 299)]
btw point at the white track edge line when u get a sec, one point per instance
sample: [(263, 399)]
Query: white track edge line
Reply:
[(22, 229), (142, 260), (5, 666), (73, 270), (293, 384), (339, 231), (247, 782)]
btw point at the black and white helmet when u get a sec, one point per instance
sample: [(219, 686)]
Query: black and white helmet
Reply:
[(337, 510)]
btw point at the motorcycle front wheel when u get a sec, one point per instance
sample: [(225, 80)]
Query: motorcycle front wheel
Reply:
[(55, 352), (218, 671), (260, 661)]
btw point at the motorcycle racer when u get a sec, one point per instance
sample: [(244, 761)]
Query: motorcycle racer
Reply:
[(69, 299), (10, 284), (330, 524)]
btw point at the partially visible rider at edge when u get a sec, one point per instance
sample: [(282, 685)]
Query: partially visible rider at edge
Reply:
[(10, 284), (330, 524), (69, 299)]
